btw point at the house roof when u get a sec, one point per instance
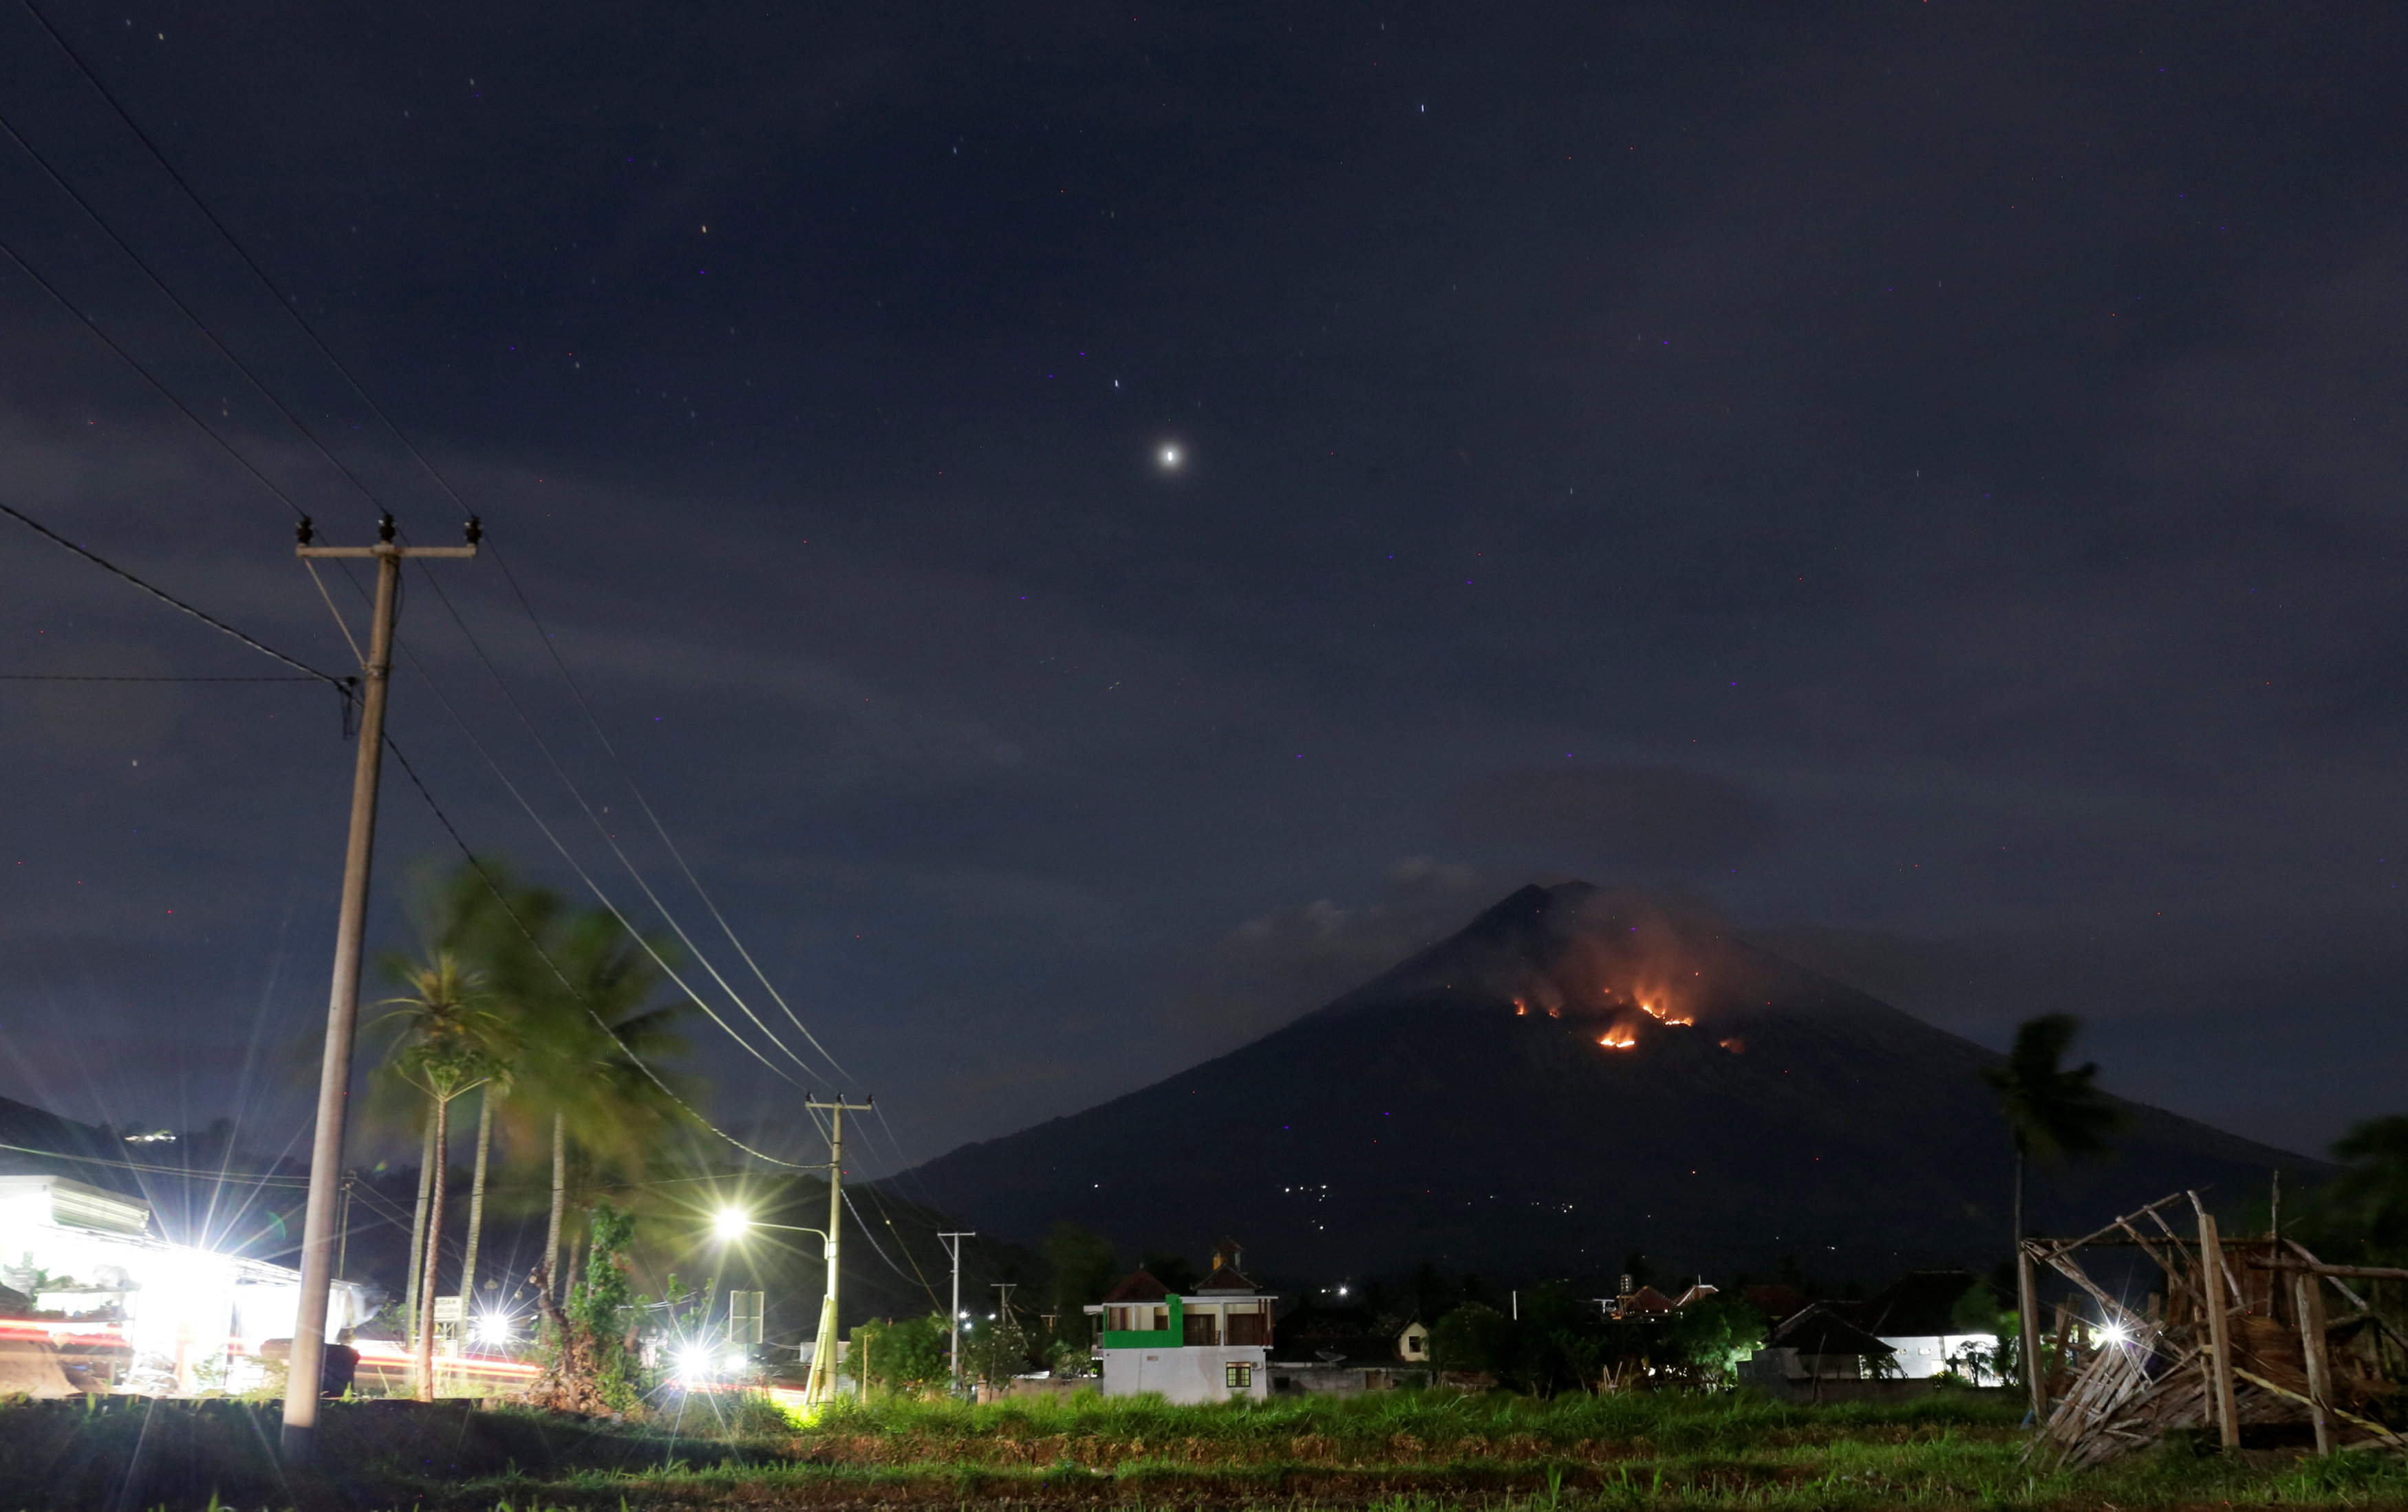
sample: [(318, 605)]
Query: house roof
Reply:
[(1819, 1330), (1137, 1285), (1776, 1300), (1918, 1303), (1647, 1300)]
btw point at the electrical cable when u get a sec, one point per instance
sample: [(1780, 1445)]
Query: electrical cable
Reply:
[(868, 1234), (593, 724), (110, 342), (159, 1170), (583, 875), (611, 840), (188, 312), (22, 518), (283, 303), (635, 1060), (71, 676)]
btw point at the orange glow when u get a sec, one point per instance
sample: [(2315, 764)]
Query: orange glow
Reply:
[(1619, 1037), (1521, 1009), (1733, 1044)]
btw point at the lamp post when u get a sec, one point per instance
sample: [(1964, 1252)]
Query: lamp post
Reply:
[(732, 1223)]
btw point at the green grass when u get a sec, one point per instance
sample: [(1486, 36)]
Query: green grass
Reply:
[(1401, 1452)]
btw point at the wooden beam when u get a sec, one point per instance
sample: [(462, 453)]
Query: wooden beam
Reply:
[(2365, 1273), (2311, 1295), (2219, 1362)]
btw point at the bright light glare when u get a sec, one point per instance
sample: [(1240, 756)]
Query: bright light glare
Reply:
[(492, 1328), (730, 1223), (1169, 456), (2114, 1333), (693, 1361), (1342, 1291), (734, 1364)]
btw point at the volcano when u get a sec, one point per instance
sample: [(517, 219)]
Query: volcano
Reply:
[(1579, 1073)]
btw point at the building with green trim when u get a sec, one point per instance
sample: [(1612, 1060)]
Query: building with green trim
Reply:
[(1209, 1345)]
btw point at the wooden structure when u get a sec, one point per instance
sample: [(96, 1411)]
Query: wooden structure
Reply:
[(2240, 1335)]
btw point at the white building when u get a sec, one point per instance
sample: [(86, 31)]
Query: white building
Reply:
[(173, 1317)]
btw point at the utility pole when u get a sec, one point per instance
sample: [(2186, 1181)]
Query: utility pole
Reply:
[(318, 1229), (953, 1242), (819, 1387)]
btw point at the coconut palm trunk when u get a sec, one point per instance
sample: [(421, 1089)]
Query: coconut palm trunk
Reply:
[(433, 1252), (552, 1269), (2027, 1300), (418, 1227), (477, 1202)]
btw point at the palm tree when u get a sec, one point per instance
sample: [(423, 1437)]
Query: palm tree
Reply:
[(446, 1042), (2053, 1114), (589, 1011)]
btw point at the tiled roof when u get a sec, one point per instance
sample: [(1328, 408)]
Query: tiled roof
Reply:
[(1138, 1286)]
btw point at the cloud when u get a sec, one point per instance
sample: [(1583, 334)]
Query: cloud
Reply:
[(1651, 820), (1292, 958)]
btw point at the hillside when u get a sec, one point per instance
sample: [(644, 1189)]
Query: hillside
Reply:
[(1578, 1074)]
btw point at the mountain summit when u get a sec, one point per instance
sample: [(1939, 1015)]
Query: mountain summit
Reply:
[(1578, 1074)]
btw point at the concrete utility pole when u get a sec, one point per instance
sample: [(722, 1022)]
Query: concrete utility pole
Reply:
[(819, 1387), (953, 1242), (319, 1229)]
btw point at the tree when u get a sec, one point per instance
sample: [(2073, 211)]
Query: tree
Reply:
[(995, 1349), (446, 1044), (1171, 1268), (2053, 1114), (909, 1356), (1085, 1268), (589, 1366), (2370, 1197)]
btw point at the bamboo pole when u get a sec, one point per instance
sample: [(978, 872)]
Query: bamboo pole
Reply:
[(2311, 1297), (2219, 1362)]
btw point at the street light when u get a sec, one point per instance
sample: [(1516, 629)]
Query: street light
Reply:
[(733, 1223)]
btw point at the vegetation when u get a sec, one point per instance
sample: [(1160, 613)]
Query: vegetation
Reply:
[(589, 1356), (1392, 1452), (1560, 1344)]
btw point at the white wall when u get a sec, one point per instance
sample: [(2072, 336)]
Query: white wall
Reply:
[(1920, 1355), (1186, 1374)]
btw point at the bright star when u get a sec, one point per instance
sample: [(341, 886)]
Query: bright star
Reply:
[(1168, 457)]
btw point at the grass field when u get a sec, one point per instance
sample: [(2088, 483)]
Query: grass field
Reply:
[(1405, 1452)]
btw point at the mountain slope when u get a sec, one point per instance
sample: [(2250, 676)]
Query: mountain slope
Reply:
[(1578, 1074)]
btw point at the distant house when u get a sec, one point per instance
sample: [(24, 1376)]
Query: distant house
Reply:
[(1916, 1316), (1412, 1343), (1816, 1345), (1209, 1345)]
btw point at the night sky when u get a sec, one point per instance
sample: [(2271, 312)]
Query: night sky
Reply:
[(1923, 477)]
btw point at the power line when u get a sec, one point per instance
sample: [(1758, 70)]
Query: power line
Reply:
[(587, 878), (595, 725), (187, 310), (163, 391), (478, 866), (611, 841), (74, 676), (346, 684), (282, 302)]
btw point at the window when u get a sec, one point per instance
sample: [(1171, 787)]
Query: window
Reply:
[(1239, 1378), (1248, 1328), (1161, 1323)]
